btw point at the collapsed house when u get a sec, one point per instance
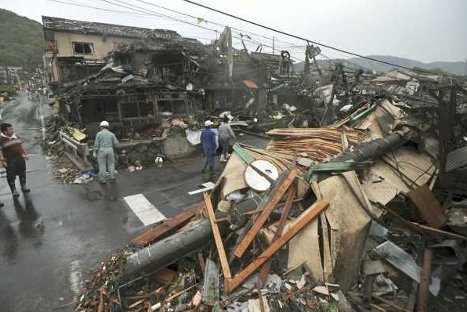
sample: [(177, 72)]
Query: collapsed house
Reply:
[(156, 88), (367, 214)]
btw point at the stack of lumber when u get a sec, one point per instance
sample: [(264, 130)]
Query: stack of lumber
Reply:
[(317, 144)]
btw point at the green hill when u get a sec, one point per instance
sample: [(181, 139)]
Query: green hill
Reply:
[(21, 41)]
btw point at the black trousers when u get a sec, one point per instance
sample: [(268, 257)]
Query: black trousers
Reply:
[(16, 166)]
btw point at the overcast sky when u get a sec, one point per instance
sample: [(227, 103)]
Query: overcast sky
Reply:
[(424, 30)]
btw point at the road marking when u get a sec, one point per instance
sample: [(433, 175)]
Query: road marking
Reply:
[(143, 209)]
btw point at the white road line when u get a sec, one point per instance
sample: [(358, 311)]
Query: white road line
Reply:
[(143, 209)]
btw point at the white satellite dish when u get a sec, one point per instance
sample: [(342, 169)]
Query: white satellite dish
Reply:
[(255, 180)]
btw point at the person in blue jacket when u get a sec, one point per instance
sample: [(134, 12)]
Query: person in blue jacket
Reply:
[(208, 140)]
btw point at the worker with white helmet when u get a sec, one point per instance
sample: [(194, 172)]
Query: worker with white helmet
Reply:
[(208, 140), (104, 151), (225, 134)]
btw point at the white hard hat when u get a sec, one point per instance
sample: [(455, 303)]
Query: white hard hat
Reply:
[(208, 123), (104, 124)]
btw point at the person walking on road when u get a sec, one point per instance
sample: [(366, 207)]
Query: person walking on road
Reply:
[(104, 151), (225, 134), (208, 140), (13, 157)]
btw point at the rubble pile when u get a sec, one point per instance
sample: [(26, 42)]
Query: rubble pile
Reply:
[(360, 194), (353, 218), (52, 143)]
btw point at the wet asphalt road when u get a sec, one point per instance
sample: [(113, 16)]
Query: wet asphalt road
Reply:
[(51, 238)]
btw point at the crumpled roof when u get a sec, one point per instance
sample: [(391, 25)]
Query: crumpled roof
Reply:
[(83, 27)]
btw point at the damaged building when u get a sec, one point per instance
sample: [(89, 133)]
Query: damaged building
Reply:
[(363, 215), (76, 49), (362, 183)]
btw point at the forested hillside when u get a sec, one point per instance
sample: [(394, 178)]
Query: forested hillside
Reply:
[(21, 41)]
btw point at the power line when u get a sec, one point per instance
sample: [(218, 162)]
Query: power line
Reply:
[(197, 18), (294, 36), (96, 8), (145, 10)]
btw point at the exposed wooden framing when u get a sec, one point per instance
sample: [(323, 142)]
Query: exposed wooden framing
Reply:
[(285, 213), (217, 238), (390, 303), (310, 214), (267, 205)]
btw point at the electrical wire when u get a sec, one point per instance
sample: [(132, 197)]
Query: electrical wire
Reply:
[(209, 21), (144, 10), (298, 37), (240, 36), (96, 8)]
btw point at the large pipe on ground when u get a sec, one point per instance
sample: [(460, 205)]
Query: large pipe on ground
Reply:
[(168, 250), (376, 148), (185, 242)]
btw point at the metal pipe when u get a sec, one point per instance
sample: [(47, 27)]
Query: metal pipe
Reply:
[(168, 250), (376, 148)]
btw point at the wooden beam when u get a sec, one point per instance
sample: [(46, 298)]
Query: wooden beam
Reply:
[(217, 238), (308, 216), (280, 227), (390, 303), (167, 227), (267, 205), (422, 300), (429, 207)]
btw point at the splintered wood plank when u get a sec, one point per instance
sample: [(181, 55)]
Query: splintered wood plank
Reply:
[(217, 238), (280, 228), (308, 216), (267, 205), (429, 207), (167, 227)]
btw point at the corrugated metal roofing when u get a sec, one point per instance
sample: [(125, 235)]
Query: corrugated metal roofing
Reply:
[(456, 159)]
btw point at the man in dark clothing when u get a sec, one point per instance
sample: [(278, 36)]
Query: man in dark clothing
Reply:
[(208, 140), (12, 156)]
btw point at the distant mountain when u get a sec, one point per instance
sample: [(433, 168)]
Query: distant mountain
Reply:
[(457, 68), (21, 41)]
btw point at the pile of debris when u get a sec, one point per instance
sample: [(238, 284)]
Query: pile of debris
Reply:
[(355, 213)]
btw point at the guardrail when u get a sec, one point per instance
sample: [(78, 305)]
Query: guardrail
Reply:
[(80, 151)]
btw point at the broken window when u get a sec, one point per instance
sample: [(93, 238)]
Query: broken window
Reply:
[(83, 48), (129, 110), (145, 109)]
